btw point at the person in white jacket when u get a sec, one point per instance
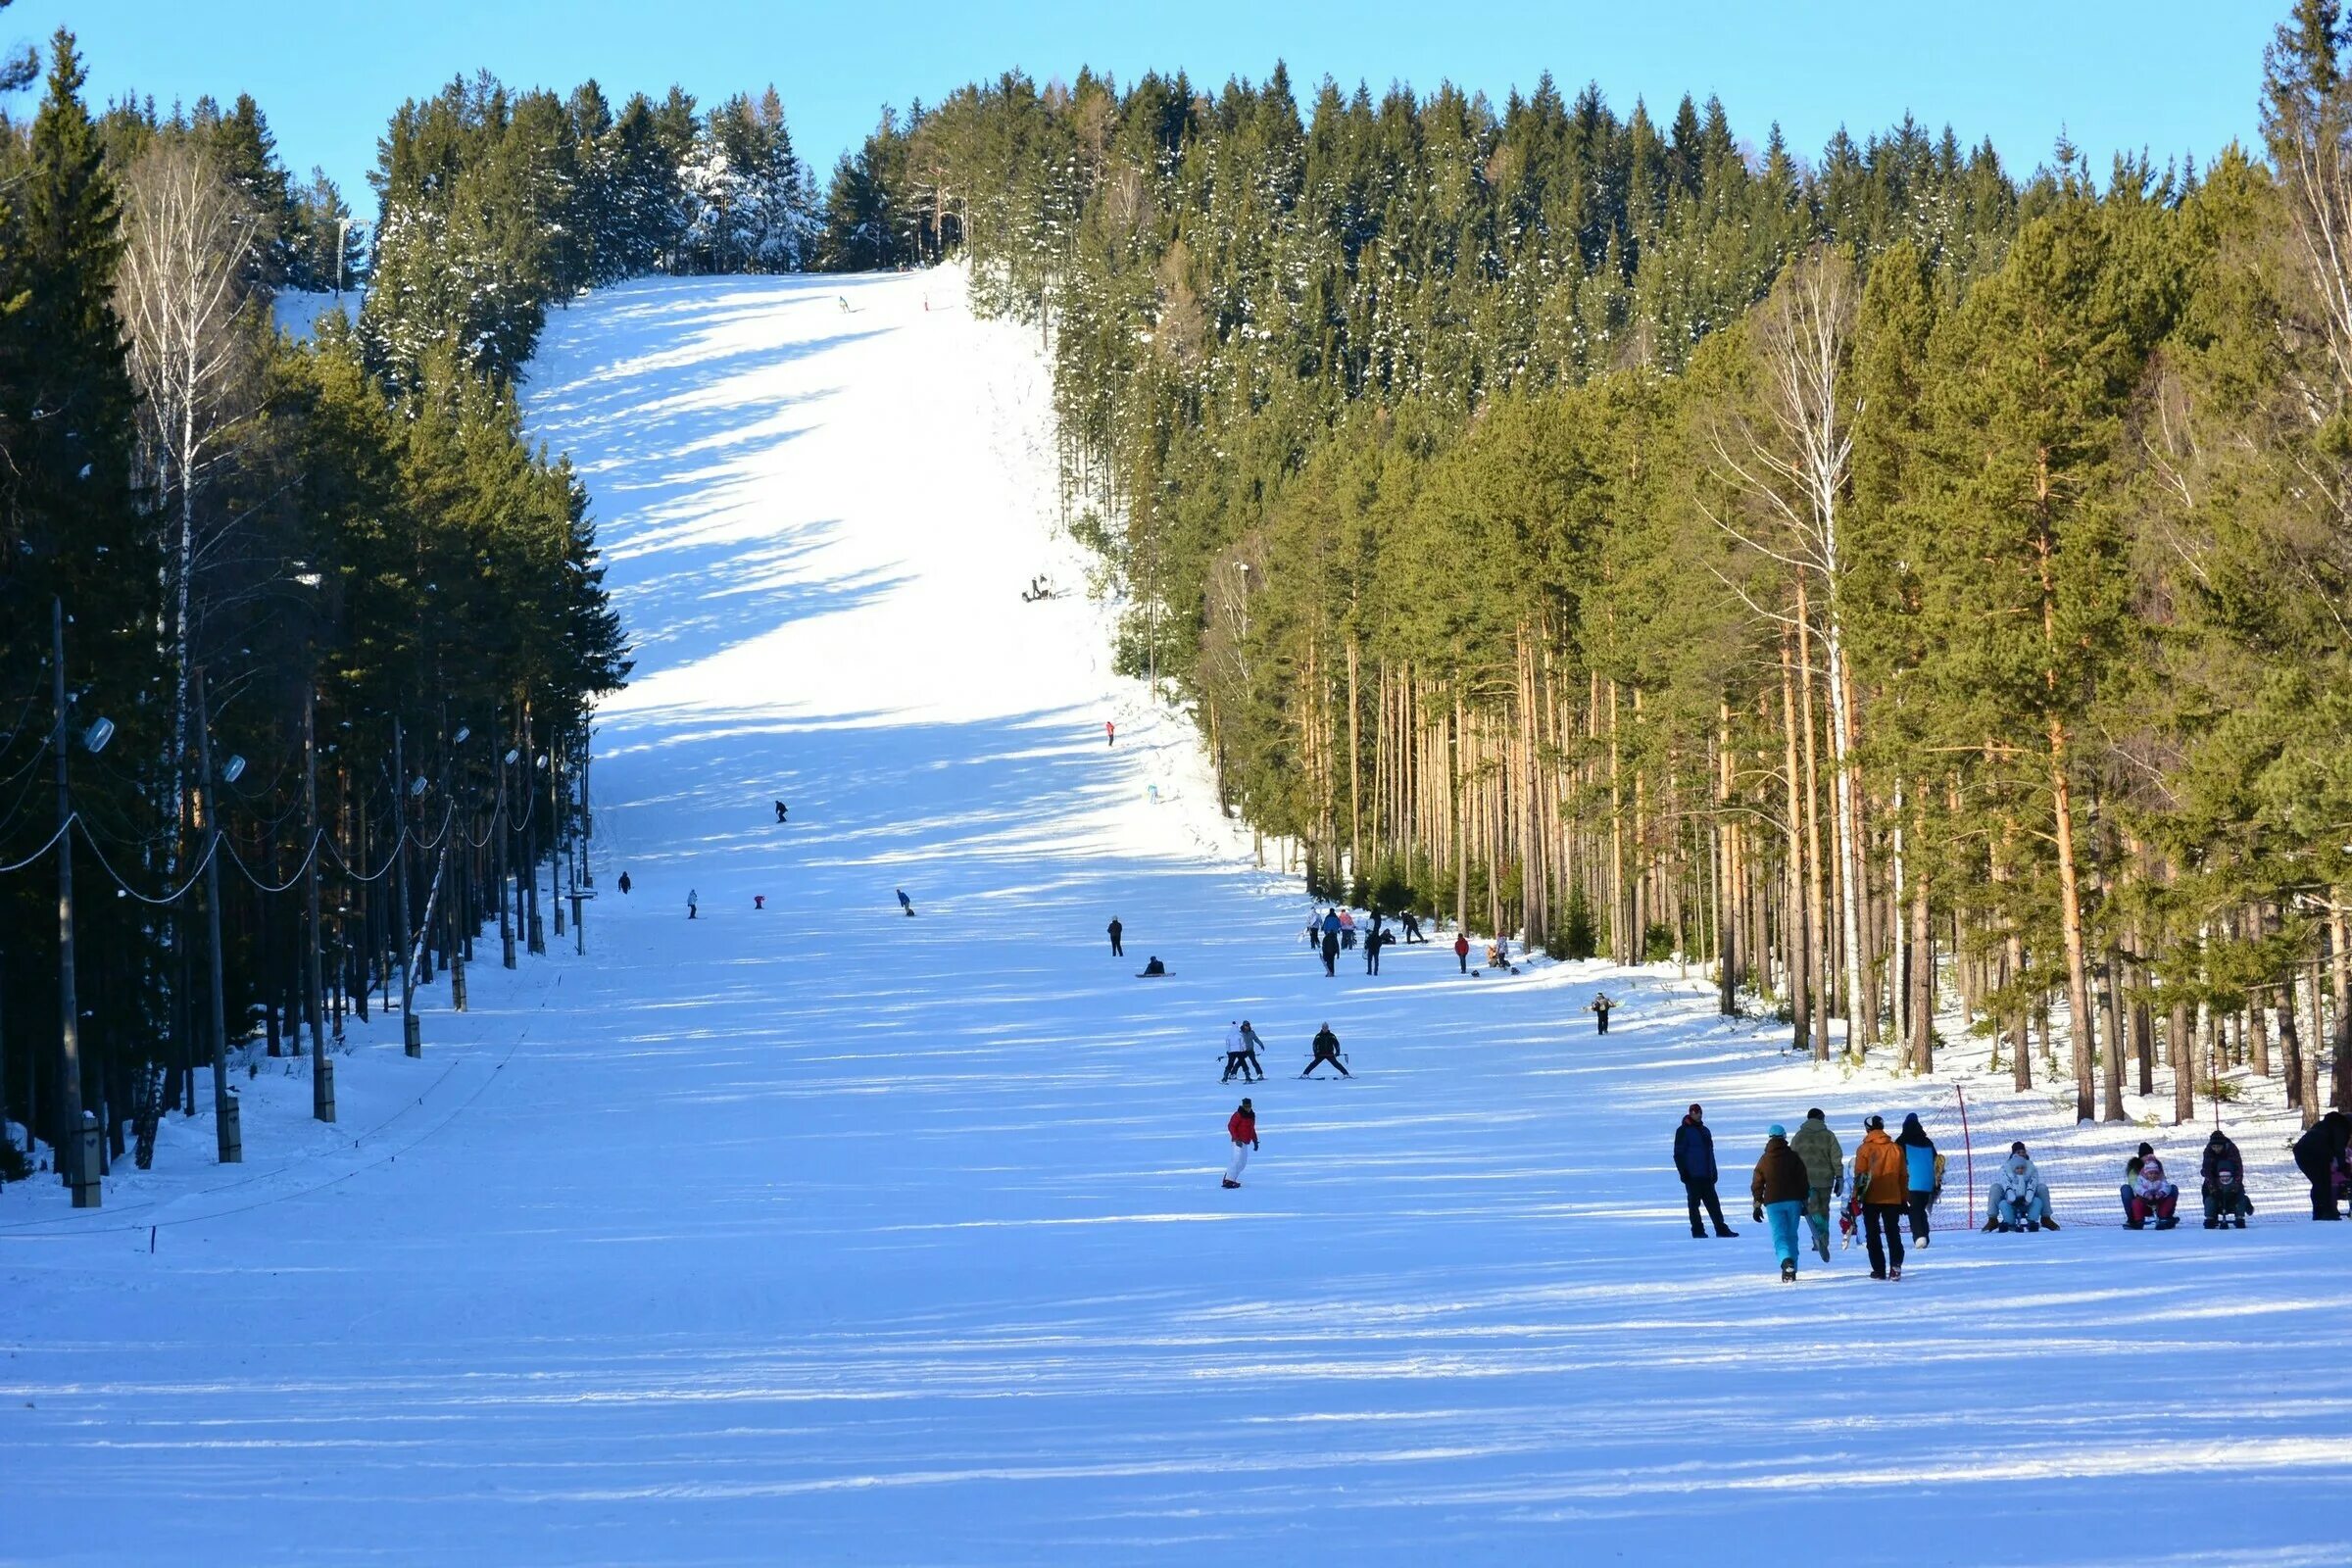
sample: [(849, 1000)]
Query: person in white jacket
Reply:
[(2019, 1198)]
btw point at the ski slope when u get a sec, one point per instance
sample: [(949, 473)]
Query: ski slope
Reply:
[(817, 1233)]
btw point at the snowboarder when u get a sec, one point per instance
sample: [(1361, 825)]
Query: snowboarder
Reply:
[(1116, 950), (906, 903), (1779, 1185), (2021, 1199), (1327, 1049), (2318, 1152), (780, 810), (759, 900), (1153, 968), (624, 884), (1461, 951), (1694, 1163), (1331, 952), (1881, 1186), (1412, 929), (1824, 1173), (1599, 1006), (2223, 1171), (1110, 733), (690, 903), (2153, 1196), (1922, 1175), (1242, 1128)]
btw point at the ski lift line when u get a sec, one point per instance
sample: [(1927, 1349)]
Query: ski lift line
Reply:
[(62, 829), (65, 1226), (169, 899), (309, 856)]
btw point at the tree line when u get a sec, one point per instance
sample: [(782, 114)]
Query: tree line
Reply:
[(330, 628), (1898, 583)]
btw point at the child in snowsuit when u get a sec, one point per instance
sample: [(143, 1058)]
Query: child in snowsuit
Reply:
[(1824, 1174), (2153, 1198), (2131, 1175), (1779, 1187), (1242, 1128)]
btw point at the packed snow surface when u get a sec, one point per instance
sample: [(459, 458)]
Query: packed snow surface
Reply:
[(823, 1234)]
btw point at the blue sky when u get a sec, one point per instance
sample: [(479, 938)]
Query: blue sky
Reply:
[(2166, 74)]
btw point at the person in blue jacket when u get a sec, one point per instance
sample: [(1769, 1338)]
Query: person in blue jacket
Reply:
[(1694, 1163), (1918, 1172)]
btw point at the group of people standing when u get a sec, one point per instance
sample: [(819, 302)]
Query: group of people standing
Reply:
[(1894, 1179)]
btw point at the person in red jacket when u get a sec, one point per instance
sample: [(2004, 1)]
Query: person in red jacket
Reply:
[(1242, 1128), (1461, 951), (1110, 733)]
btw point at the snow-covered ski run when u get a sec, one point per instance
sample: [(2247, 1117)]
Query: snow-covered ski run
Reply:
[(815, 1234)]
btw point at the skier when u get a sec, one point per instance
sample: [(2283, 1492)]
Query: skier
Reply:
[(1237, 1054), (1153, 968), (2224, 1169), (1881, 1186), (1116, 950), (1694, 1163), (624, 884), (1461, 951), (1251, 1046), (1331, 953), (907, 904), (1921, 1173), (2318, 1152), (2153, 1196), (1780, 1184), (1327, 1049), (1242, 1128), (1412, 929), (690, 903), (1824, 1174), (1600, 1008), (2021, 1199), (1110, 733), (780, 809)]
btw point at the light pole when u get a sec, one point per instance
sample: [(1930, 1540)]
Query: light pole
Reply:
[(411, 1039), (227, 1122), (499, 824), (455, 894), (79, 1143), (322, 1067)]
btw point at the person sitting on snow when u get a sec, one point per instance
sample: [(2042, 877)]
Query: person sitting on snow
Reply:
[(2131, 1175), (2223, 1171), (2021, 1199), (2153, 1196), (1153, 968)]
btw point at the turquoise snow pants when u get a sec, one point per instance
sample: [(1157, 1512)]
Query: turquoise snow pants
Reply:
[(1784, 1219)]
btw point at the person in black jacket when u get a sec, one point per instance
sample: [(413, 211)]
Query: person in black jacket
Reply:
[(1694, 1163), (1327, 1049), (2317, 1152), (2225, 1173), (1116, 950)]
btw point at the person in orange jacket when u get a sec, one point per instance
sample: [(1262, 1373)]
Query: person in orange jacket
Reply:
[(1242, 1128), (1882, 1187)]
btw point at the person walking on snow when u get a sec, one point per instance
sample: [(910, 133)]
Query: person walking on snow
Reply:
[(1778, 1188), (1824, 1174), (1881, 1185), (1461, 951), (1331, 946), (1600, 1008), (1110, 733), (1116, 950), (690, 903), (1694, 1163), (2021, 1199), (624, 884), (1921, 1175), (2317, 1154), (1374, 939), (907, 904), (1242, 1128), (1327, 1049), (780, 809), (2223, 1171)]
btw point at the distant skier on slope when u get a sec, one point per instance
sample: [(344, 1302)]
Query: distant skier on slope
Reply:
[(1240, 1055), (1241, 1129), (780, 810), (906, 903), (1600, 1008), (690, 901), (1779, 1185), (1327, 1049), (1116, 950)]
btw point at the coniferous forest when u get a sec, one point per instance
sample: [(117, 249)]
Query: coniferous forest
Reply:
[(1879, 574)]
